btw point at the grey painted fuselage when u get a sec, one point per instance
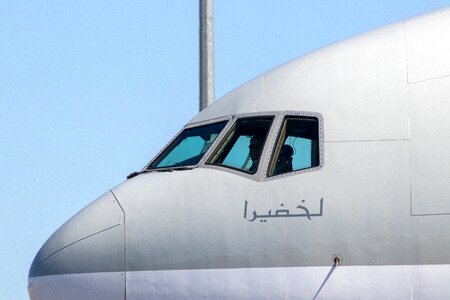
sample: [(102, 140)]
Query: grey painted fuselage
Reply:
[(378, 200)]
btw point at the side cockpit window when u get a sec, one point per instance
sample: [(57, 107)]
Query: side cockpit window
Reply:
[(188, 147), (297, 146), (241, 149)]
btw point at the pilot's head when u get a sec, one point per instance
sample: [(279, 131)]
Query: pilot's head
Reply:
[(255, 147)]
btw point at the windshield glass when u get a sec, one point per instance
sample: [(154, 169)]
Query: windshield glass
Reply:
[(244, 144), (297, 147), (188, 147)]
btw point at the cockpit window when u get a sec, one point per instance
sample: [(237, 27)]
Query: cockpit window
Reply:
[(188, 147), (297, 146), (243, 145)]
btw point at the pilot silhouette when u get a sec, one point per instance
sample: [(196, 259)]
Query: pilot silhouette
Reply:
[(284, 161), (255, 148)]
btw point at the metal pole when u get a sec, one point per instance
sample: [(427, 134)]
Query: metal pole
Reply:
[(206, 53)]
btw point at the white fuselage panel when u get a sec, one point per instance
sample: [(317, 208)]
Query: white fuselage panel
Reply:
[(86, 286), (342, 282)]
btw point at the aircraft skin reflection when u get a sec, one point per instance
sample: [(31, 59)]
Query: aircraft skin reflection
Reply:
[(367, 177)]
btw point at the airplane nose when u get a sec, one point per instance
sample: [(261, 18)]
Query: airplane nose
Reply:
[(85, 257)]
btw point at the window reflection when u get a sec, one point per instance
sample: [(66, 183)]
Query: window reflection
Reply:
[(244, 144), (188, 147), (297, 146)]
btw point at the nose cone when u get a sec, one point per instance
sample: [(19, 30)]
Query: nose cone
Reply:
[(84, 256)]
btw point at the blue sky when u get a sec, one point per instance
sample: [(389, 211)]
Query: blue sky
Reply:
[(91, 90)]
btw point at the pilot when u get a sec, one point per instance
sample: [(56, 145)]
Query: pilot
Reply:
[(284, 161), (255, 148)]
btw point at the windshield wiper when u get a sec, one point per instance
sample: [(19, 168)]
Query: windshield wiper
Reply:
[(170, 169), (134, 174)]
